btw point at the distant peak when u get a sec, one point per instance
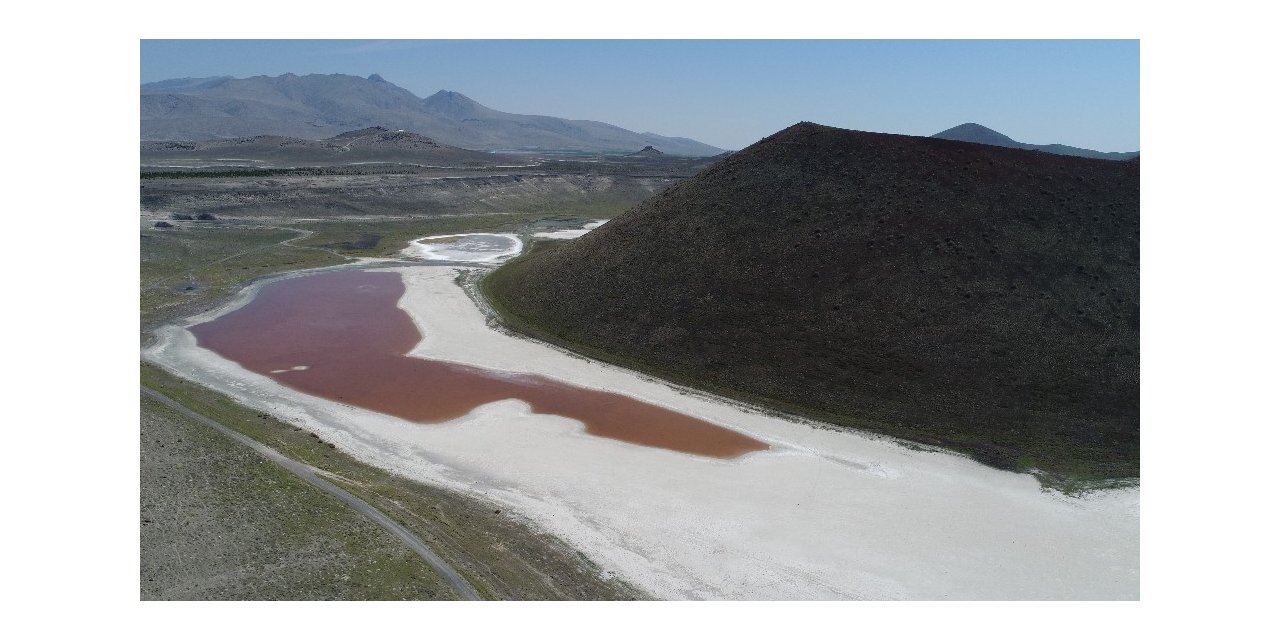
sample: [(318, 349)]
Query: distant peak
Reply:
[(376, 78), (452, 103), (973, 127), (445, 94), (974, 132)]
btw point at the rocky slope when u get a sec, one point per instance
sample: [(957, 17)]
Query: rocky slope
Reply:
[(970, 296)]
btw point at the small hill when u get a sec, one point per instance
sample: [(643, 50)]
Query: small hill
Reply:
[(963, 295), (383, 138), (976, 133), (317, 106), (647, 152), (372, 144)]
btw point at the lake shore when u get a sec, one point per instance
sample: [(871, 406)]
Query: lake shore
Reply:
[(823, 514)]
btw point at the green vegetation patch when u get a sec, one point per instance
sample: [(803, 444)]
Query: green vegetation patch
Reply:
[(188, 269), (218, 522), (502, 556)]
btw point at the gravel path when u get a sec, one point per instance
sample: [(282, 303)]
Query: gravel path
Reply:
[(308, 473)]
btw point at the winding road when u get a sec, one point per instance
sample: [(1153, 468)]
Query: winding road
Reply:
[(308, 473)]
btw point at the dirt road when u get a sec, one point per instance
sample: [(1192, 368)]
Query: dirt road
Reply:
[(308, 473)]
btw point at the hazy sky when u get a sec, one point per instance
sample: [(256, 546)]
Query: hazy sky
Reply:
[(730, 93)]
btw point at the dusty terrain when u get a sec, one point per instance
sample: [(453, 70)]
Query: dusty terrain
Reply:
[(199, 551), (823, 514), (213, 528)]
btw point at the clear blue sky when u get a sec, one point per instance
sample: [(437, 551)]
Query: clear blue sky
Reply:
[(730, 93)]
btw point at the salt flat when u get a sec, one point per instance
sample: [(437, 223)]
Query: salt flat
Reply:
[(822, 514), (569, 234), (466, 247)]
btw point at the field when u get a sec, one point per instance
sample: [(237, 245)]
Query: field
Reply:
[(218, 522)]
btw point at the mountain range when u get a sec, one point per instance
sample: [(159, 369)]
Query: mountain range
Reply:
[(320, 106), (976, 133), (370, 145)]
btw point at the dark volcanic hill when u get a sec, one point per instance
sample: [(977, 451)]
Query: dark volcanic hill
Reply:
[(318, 106), (973, 132), (374, 144), (647, 152), (971, 296)]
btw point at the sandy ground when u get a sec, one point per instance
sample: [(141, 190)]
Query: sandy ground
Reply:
[(823, 514), (569, 234)]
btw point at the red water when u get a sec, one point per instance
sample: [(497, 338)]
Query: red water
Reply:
[(345, 328)]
